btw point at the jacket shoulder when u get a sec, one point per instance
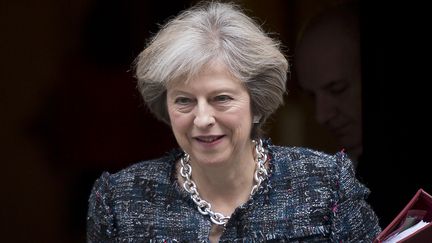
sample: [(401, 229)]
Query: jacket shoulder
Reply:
[(157, 170), (302, 155)]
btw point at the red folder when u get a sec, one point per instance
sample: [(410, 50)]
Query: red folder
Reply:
[(420, 205)]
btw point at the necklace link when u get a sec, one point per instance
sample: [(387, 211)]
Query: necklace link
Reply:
[(203, 206)]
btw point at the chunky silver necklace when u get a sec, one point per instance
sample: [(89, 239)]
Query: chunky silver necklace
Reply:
[(203, 206)]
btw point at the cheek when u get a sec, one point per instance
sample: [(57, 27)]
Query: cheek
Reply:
[(350, 101), (179, 121), (241, 120)]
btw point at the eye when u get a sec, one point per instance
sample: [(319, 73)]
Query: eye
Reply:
[(309, 93), (337, 88), (222, 98), (183, 100)]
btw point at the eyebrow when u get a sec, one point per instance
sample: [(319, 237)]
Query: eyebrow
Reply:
[(219, 90), (177, 92), (332, 83)]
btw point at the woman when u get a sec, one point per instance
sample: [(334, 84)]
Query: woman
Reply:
[(214, 76)]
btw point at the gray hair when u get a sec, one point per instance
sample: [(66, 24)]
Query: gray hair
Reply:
[(204, 33)]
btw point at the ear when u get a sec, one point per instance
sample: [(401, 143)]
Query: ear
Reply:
[(256, 119)]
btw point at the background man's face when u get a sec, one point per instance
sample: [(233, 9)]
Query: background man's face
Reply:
[(328, 67)]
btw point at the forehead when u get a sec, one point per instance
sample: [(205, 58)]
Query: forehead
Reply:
[(212, 75), (324, 56), (317, 66), (314, 76)]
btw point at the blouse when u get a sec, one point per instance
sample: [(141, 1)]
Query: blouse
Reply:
[(309, 196)]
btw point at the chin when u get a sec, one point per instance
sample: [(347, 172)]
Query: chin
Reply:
[(210, 160)]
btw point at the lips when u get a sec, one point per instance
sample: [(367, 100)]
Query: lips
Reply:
[(339, 130), (209, 139)]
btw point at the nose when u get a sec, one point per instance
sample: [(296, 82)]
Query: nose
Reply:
[(325, 109), (204, 115)]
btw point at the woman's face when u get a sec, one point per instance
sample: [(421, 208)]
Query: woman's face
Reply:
[(211, 117)]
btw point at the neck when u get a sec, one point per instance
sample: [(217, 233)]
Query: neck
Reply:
[(227, 186), (226, 180), (354, 154)]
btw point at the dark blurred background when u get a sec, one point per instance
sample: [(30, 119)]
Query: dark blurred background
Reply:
[(70, 109)]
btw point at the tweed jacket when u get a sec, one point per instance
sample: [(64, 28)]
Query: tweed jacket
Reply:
[(309, 196)]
